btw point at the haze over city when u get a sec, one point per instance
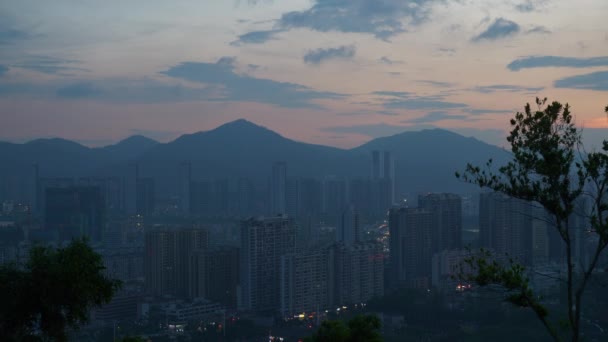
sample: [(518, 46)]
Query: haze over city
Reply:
[(329, 72), (304, 171)]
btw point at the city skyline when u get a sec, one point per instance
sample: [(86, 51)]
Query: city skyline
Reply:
[(337, 73)]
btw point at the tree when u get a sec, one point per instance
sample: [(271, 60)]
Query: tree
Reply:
[(547, 170), (54, 290), (362, 328)]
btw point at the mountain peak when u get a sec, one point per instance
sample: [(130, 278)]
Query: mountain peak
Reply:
[(137, 140), (240, 124)]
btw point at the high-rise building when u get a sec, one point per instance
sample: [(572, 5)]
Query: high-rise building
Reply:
[(222, 275), (145, 201), (174, 262), (356, 273), (376, 173), (310, 197), (334, 198), (292, 198), (33, 190), (360, 195), (349, 230), (303, 282), (185, 180), (447, 220), (383, 182), (505, 225), (245, 197), (445, 267), (263, 242), (201, 198), (410, 246), (278, 189), (130, 192), (75, 211)]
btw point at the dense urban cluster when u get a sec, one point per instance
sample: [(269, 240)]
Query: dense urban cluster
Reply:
[(286, 249)]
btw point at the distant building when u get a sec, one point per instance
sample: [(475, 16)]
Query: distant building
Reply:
[(410, 246), (445, 268), (355, 273), (304, 282), (185, 180), (145, 201), (222, 275), (75, 211), (447, 220), (130, 185), (506, 226), (263, 242), (383, 181), (278, 189), (349, 228), (334, 198), (174, 261)]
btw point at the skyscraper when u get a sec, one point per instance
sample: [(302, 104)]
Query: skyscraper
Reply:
[(130, 192), (410, 242), (383, 182), (447, 220), (505, 225), (278, 189), (303, 279), (349, 230), (174, 261), (145, 200), (356, 273), (74, 211), (185, 180), (263, 242)]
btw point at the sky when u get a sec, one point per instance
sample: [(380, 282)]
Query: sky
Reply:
[(332, 72)]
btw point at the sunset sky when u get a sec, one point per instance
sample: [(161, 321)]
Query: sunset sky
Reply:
[(333, 72)]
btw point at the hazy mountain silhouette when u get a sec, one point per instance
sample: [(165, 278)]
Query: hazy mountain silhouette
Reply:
[(425, 160), (127, 149)]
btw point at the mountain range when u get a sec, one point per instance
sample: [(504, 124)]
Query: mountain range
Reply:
[(424, 160)]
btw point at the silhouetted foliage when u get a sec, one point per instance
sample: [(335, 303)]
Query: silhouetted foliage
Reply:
[(359, 329), (545, 170), (54, 290)]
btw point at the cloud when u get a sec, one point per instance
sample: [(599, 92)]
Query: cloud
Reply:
[(237, 87), (447, 51), (256, 37), (435, 116), (500, 28), (436, 83), (556, 62), (505, 87), (9, 34), (79, 90), (49, 65), (538, 29), (132, 91), (109, 90), (407, 100), (371, 130), (402, 94), (422, 103), (319, 56), (529, 5), (383, 19), (593, 81), (486, 111), (3, 69), (388, 61)]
